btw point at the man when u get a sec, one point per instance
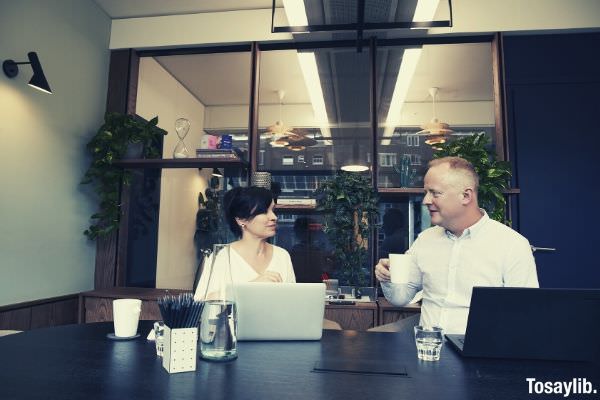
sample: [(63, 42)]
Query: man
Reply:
[(466, 248)]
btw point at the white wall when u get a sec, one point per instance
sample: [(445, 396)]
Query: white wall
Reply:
[(186, 30), (43, 209), (254, 25), (160, 94)]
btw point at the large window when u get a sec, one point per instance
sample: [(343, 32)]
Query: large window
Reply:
[(314, 103), (315, 114), (457, 77)]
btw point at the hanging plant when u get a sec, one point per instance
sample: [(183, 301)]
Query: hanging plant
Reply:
[(111, 143), (350, 206), (494, 175)]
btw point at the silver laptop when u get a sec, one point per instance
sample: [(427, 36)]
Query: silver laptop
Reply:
[(280, 311)]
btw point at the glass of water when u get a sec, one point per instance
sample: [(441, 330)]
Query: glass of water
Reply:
[(218, 318), (429, 342), (159, 337)]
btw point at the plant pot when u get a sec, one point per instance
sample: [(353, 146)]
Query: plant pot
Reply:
[(134, 150)]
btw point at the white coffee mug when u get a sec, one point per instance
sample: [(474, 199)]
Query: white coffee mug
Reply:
[(400, 267), (126, 315)]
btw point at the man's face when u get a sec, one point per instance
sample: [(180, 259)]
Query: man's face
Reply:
[(443, 197)]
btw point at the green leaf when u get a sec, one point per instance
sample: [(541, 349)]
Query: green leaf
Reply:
[(107, 145)]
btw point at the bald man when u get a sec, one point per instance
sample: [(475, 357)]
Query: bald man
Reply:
[(465, 248)]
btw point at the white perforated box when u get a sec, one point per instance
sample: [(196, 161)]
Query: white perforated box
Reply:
[(180, 349)]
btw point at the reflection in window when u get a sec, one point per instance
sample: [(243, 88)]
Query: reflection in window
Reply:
[(415, 159), (303, 237), (387, 159), (298, 186), (319, 103), (401, 221), (426, 85), (412, 140), (386, 182)]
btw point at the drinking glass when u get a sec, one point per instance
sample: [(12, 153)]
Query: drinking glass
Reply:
[(218, 319), (429, 342)]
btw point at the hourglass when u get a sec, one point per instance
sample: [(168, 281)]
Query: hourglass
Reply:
[(182, 126)]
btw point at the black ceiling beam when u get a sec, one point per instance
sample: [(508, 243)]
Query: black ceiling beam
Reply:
[(360, 22), (360, 26), (366, 26)]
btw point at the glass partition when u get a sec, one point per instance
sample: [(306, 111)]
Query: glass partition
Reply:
[(314, 119), (314, 111), (211, 91), (429, 95)]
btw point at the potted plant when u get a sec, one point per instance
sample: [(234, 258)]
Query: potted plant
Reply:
[(350, 206), (494, 175), (211, 227), (109, 144)]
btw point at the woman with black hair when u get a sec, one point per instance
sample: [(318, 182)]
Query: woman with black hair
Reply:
[(249, 213)]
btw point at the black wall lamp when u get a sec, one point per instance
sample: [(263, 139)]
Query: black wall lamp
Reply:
[(38, 80)]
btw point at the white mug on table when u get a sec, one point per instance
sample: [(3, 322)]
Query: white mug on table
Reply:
[(126, 315)]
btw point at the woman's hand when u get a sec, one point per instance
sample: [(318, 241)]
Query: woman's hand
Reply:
[(268, 276), (382, 270)]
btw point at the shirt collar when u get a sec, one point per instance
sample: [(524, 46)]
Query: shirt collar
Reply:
[(473, 229)]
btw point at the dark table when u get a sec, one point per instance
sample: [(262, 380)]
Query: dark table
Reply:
[(79, 362)]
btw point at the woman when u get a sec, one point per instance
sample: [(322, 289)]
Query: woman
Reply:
[(249, 213)]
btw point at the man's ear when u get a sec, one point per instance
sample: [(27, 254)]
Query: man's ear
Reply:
[(468, 196)]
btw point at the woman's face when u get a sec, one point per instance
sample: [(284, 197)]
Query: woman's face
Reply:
[(262, 226)]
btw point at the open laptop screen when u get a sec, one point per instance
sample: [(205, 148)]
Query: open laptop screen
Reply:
[(532, 323), (280, 311)]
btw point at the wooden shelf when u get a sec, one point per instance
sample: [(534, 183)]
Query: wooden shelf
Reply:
[(398, 191), (295, 208), (182, 163), (401, 190)]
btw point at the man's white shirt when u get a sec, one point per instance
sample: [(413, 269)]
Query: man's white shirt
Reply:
[(448, 267)]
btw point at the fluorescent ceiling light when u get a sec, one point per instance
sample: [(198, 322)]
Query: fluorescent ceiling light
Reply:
[(424, 11), (296, 14), (410, 59), (308, 65)]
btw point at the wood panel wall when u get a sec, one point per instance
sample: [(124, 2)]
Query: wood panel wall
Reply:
[(43, 313)]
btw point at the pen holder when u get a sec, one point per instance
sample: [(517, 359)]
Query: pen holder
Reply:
[(180, 349)]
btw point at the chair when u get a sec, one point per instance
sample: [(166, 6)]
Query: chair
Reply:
[(329, 324), (8, 332), (398, 326)]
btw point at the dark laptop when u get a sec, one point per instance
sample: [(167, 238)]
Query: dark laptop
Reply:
[(527, 323)]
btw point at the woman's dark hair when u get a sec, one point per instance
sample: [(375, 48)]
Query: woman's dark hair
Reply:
[(245, 203)]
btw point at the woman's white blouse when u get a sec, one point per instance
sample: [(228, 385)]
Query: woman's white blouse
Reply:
[(241, 271)]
